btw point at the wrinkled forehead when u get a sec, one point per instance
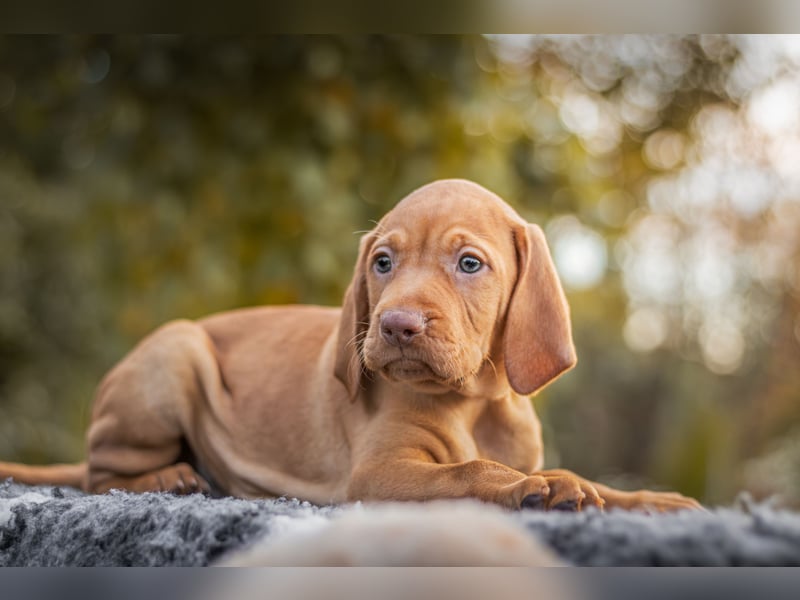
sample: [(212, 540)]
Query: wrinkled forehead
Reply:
[(451, 204)]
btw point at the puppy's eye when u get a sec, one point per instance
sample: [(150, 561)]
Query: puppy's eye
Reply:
[(383, 264), (469, 264)]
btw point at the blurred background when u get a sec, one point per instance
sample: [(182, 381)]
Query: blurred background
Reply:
[(148, 178)]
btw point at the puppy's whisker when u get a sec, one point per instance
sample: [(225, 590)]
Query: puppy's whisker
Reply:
[(378, 227), (489, 360)]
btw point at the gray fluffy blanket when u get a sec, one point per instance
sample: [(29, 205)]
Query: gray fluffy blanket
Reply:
[(48, 526)]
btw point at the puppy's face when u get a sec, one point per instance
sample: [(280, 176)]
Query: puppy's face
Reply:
[(453, 291), (439, 272)]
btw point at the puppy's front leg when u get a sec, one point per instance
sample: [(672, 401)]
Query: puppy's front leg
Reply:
[(569, 491), (414, 476), (647, 500)]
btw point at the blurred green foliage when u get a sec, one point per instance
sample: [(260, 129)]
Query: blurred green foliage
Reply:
[(148, 178)]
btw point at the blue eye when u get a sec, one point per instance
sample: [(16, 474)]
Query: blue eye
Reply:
[(469, 264), (383, 264)]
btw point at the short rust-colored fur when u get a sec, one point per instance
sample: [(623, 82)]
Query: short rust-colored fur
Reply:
[(415, 390)]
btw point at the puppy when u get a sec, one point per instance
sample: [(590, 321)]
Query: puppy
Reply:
[(416, 389)]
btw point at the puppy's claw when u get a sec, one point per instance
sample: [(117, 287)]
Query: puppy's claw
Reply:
[(566, 506), (533, 502)]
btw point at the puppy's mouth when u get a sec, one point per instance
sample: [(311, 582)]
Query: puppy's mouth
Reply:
[(410, 370)]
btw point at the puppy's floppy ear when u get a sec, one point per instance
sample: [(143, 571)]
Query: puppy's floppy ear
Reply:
[(353, 323), (537, 343)]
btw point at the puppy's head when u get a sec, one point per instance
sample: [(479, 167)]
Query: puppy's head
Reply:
[(453, 291)]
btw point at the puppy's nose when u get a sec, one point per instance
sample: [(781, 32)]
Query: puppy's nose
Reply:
[(399, 327)]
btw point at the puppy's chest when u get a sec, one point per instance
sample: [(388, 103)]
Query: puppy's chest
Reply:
[(512, 438)]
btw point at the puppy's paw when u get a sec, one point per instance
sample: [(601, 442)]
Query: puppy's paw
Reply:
[(179, 478), (567, 493), (528, 493)]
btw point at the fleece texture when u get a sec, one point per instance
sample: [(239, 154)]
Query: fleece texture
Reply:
[(51, 526)]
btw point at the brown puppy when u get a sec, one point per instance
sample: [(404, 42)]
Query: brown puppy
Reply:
[(416, 389)]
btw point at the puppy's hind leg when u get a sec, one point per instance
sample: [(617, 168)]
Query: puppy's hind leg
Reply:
[(142, 409)]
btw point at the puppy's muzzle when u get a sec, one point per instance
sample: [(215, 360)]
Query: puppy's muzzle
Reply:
[(400, 327)]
